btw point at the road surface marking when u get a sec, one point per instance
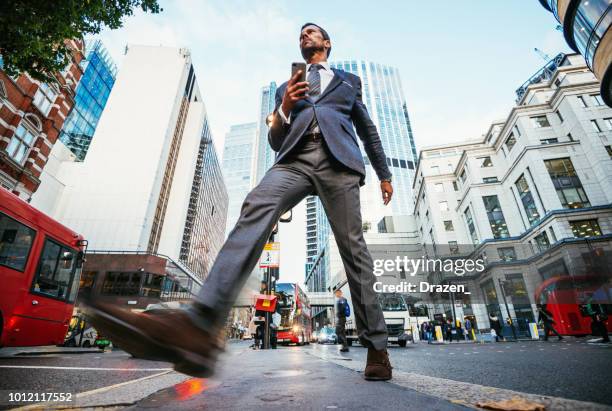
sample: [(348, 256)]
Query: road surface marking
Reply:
[(47, 367), (81, 395)]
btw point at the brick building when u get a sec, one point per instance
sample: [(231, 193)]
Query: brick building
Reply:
[(32, 114)]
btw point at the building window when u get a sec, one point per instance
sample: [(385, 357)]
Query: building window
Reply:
[(121, 283), (439, 187), (596, 99), (516, 130), (541, 241), (395, 162), (583, 103), (608, 122), (402, 163), (567, 184), (15, 243), (527, 199), (485, 162), (488, 180), (595, 126), (510, 142), (609, 150), (443, 205), (435, 170), (552, 234), (549, 141), (44, 98), (448, 225), (152, 285), (540, 121), (471, 226), (585, 228), (559, 115), (20, 144), (55, 272), (462, 176), (496, 216), (453, 247), (456, 187), (506, 253)]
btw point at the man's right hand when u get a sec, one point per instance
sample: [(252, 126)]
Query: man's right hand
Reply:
[(294, 92)]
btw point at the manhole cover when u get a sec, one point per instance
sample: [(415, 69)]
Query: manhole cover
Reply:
[(285, 373)]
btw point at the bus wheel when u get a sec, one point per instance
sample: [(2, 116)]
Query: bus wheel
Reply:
[(86, 344), (402, 343), (349, 342)]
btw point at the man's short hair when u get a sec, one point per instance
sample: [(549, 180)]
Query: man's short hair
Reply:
[(323, 32)]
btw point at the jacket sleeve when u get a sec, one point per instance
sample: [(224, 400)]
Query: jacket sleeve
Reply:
[(278, 129), (366, 130)]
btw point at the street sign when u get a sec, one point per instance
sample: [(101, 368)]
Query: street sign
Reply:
[(270, 258)]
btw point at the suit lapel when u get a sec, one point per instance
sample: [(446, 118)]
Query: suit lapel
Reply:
[(335, 82)]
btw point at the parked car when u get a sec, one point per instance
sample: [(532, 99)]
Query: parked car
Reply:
[(327, 335)]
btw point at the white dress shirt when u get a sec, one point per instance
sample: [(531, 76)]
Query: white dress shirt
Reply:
[(326, 74)]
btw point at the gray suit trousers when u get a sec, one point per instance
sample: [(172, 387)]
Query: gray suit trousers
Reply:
[(309, 169)]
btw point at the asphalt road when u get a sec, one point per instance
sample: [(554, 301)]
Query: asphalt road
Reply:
[(569, 369)]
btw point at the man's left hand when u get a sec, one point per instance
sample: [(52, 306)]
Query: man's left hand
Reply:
[(387, 191)]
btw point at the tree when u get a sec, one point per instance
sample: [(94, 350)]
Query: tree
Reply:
[(33, 32)]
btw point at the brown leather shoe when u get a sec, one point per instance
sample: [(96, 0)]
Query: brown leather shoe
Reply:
[(378, 366), (166, 335)]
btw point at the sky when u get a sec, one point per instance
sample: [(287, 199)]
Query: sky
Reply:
[(460, 62)]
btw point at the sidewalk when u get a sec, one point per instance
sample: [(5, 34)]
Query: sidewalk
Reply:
[(288, 378)]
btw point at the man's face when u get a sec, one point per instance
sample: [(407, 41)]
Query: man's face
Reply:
[(338, 294), (311, 41)]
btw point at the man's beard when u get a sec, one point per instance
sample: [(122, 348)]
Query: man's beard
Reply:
[(309, 51)]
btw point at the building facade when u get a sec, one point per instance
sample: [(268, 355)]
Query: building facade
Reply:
[(238, 167), (151, 183), (533, 199), (586, 28), (386, 104), (32, 114), (99, 72), (264, 155)]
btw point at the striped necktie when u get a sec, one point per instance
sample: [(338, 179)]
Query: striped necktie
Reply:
[(314, 90)]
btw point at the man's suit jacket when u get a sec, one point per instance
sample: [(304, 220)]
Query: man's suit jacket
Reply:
[(338, 108)]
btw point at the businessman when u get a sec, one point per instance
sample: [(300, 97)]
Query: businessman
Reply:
[(311, 129)]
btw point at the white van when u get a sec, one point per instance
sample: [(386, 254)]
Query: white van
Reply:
[(402, 327)]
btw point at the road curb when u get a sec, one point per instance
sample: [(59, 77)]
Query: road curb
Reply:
[(464, 393)]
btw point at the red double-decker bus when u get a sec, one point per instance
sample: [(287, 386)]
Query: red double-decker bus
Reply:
[(566, 297), (295, 325), (40, 266)]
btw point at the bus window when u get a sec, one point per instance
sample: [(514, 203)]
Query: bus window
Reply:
[(15, 243), (55, 270)]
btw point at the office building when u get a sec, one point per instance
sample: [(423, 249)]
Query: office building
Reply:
[(585, 28), (99, 72), (264, 155), (238, 167), (151, 184), (532, 199), (32, 113)]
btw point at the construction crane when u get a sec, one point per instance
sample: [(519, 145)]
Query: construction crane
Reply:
[(544, 56)]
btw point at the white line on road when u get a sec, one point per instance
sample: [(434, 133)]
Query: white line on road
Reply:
[(85, 368)]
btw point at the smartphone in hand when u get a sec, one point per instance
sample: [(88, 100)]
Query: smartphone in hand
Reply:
[(295, 67)]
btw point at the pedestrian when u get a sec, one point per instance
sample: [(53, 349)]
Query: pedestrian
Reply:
[(546, 318), (468, 329), (341, 314), (311, 129), (253, 332), (496, 326), (598, 326), (449, 331)]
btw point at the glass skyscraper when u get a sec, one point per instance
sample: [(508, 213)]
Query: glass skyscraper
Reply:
[(238, 167), (384, 99), (98, 78), (265, 155)]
